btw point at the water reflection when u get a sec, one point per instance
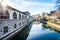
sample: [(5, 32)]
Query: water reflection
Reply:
[(23, 34), (36, 22), (38, 32)]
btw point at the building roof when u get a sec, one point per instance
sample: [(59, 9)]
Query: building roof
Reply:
[(9, 7), (27, 13), (52, 12)]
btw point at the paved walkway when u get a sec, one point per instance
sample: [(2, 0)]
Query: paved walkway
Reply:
[(55, 26)]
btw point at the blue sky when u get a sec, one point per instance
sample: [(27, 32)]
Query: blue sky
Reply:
[(43, 1), (33, 6)]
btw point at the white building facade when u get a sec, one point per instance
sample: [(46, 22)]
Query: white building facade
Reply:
[(12, 19)]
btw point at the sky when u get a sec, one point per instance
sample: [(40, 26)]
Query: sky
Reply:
[(33, 6)]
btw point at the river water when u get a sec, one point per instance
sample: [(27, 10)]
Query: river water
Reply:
[(37, 32)]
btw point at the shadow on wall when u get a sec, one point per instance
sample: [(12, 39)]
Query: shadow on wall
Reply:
[(23, 34)]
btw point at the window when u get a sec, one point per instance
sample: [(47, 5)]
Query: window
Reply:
[(14, 15), (22, 17), (19, 16), (5, 29)]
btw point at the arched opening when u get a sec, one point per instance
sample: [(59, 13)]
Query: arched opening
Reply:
[(7, 14), (1, 15), (4, 16), (22, 16), (5, 29), (19, 16), (14, 15)]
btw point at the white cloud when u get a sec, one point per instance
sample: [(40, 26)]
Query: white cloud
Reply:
[(27, 3), (32, 7)]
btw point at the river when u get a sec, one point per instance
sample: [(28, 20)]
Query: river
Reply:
[(35, 31)]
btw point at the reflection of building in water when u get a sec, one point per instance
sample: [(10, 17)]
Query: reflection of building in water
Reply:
[(36, 22), (23, 34), (11, 19)]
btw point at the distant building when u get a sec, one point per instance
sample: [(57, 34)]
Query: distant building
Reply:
[(53, 15), (36, 17), (58, 14)]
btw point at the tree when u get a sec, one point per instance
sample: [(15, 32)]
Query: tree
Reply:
[(58, 4), (58, 10)]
